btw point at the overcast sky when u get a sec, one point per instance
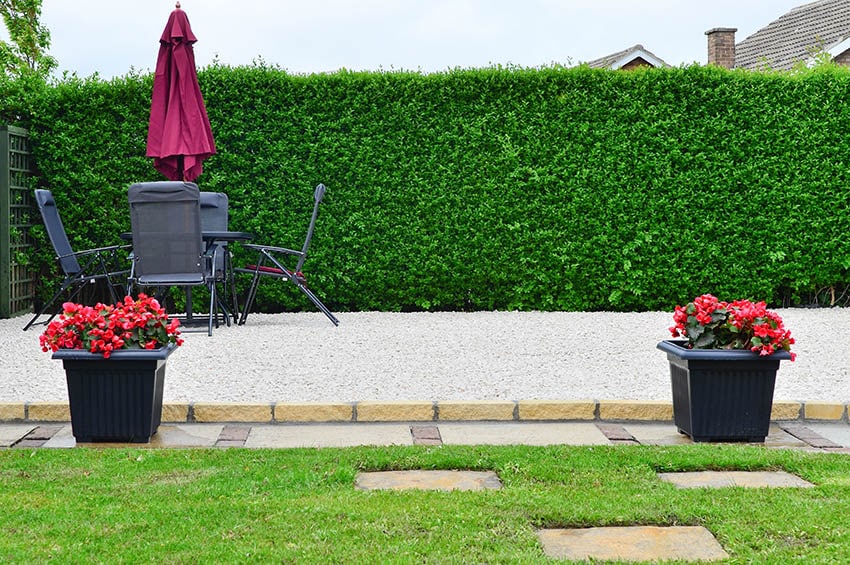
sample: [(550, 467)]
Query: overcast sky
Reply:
[(315, 36)]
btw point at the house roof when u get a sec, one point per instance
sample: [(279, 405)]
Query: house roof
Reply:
[(622, 58), (798, 35)]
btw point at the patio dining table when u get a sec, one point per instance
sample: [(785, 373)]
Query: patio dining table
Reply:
[(211, 237)]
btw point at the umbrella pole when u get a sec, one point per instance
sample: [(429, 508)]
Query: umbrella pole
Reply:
[(189, 305)]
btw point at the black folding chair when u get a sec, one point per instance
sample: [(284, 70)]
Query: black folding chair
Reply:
[(168, 248), (80, 267), (270, 263), (214, 218)]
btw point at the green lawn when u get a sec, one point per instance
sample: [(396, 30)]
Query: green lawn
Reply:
[(300, 505)]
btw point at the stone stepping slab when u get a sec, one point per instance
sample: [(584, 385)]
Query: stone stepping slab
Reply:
[(632, 543), (726, 479), (10, 435), (428, 480)]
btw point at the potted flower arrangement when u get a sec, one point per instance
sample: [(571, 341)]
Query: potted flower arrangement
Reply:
[(723, 372), (114, 359)]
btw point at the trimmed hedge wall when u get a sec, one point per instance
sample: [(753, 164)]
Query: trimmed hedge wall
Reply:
[(498, 188)]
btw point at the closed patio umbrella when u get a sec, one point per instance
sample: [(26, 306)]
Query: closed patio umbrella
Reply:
[(179, 135)]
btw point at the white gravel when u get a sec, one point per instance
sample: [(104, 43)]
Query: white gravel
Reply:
[(437, 356)]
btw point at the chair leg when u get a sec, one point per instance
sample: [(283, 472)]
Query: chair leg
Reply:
[(230, 279), (315, 300), (190, 305), (222, 310), (39, 314), (65, 286), (213, 309), (112, 293), (249, 300)]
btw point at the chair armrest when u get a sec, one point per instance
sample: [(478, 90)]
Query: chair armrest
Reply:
[(209, 256), (95, 250), (211, 252), (270, 248)]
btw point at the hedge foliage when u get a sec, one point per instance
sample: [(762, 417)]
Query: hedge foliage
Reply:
[(497, 188)]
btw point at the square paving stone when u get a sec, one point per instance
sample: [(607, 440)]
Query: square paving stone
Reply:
[(234, 433), (632, 543), (11, 434), (182, 435), (63, 439), (777, 437), (328, 435), (44, 432), (522, 433), (426, 435), (233, 443), (667, 434), (28, 444), (810, 437), (428, 480), (838, 433), (726, 479), (616, 432), (657, 434), (167, 436)]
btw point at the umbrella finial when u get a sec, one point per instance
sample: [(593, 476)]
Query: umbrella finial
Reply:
[(177, 5)]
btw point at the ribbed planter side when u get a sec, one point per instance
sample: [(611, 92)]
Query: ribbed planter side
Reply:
[(721, 395), (117, 399)]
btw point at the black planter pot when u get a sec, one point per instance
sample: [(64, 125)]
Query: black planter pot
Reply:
[(118, 399), (720, 394)]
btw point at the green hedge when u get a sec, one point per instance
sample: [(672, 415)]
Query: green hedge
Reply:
[(498, 188)]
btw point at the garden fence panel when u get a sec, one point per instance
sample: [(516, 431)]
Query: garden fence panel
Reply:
[(17, 283)]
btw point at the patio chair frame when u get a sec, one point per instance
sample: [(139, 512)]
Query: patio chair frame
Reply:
[(269, 264), (80, 268), (215, 217), (168, 247)]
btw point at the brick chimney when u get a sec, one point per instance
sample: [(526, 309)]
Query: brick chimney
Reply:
[(721, 46)]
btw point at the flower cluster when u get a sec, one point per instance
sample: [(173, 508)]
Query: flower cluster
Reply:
[(708, 323), (140, 324)]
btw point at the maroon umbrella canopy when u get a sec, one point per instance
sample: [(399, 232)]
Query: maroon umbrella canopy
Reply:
[(179, 136)]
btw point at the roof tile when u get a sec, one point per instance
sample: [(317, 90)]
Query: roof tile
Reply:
[(796, 36)]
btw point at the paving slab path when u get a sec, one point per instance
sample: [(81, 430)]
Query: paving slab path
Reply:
[(727, 479), (428, 480), (832, 437), (632, 543)]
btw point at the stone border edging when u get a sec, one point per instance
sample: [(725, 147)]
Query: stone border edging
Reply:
[(420, 411)]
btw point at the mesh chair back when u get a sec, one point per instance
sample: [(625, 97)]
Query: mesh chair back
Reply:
[(318, 194), (166, 222), (214, 218), (56, 232), (214, 211)]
